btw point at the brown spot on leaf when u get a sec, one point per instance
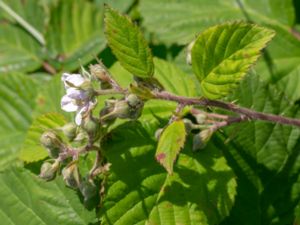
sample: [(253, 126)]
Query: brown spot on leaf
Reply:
[(160, 156)]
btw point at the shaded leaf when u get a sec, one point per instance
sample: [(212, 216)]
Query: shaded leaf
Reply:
[(222, 55), (170, 143), (128, 44), (202, 187), (74, 33), (17, 100), (33, 201), (32, 149)]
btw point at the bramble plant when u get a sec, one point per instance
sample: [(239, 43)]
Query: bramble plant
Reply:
[(142, 142)]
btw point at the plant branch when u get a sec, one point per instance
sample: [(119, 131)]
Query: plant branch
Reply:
[(250, 114)]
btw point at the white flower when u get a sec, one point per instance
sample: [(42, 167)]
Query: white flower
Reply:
[(78, 96)]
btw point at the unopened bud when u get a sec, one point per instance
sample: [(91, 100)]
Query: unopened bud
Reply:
[(130, 108), (48, 171), (201, 118), (70, 130), (188, 125), (91, 125), (201, 139), (71, 176), (89, 192), (52, 143), (158, 133), (189, 53)]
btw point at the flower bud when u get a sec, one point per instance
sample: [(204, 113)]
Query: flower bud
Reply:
[(189, 53), (130, 108), (52, 143), (89, 192), (200, 118), (158, 133), (188, 125), (70, 131), (48, 171), (91, 125), (201, 139), (71, 175)]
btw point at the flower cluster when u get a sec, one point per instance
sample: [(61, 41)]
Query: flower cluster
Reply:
[(79, 95)]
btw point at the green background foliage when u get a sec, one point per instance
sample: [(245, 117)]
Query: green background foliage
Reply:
[(249, 172)]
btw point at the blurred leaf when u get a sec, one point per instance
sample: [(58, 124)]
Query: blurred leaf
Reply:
[(25, 199), (128, 44), (179, 21), (32, 11), (171, 141), (265, 157), (18, 50), (202, 188), (222, 55), (49, 97), (17, 100), (282, 62), (121, 6), (74, 34), (32, 149)]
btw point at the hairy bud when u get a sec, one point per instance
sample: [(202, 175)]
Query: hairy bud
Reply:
[(70, 130), (48, 171), (129, 108), (188, 125), (201, 139), (71, 175), (201, 118), (189, 53), (52, 143), (92, 126), (158, 133)]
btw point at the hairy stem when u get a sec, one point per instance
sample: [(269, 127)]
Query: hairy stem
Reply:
[(250, 114)]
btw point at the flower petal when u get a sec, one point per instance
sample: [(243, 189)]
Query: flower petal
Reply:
[(68, 105), (79, 114), (75, 80), (77, 94)]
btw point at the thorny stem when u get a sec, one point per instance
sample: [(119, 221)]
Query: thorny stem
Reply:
[(250, 114)]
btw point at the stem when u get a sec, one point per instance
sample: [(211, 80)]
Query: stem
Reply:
[(251, 114), (108, 92), (35, 33)]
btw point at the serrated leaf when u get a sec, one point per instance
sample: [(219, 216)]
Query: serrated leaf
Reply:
[(32, 149), (170, 143), (203, 187), (264, 156), (128, 44), (19, 51), (25, 199), (223, 54), (74, 33), (17, 100)]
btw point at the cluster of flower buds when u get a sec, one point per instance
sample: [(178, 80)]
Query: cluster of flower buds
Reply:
[(129, 108)]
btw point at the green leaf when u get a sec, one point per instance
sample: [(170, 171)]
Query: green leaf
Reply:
[(128, 44), (25, 199), (264, 156), (186, 19), (122, 6), (17, 100), (74, 34), (202, 187), (49, 97), (222, 55), (19, 51), (170, 143), (32, 149)]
